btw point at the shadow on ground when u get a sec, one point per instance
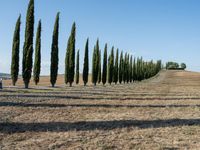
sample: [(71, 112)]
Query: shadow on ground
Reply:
[(95, 98), (19, 104), (93, 125)]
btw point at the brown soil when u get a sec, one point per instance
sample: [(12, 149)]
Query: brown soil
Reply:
[(160, 113)]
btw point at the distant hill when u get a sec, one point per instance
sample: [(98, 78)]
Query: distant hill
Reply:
[(5, 76)]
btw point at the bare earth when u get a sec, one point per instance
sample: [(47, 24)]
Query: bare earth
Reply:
[(160, 113)]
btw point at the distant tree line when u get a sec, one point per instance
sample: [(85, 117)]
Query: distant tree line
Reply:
[(175, 66), (112, 68)]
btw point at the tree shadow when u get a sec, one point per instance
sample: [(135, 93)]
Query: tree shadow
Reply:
[(93, 125), (20, 104), (53, 96), (15, 104)]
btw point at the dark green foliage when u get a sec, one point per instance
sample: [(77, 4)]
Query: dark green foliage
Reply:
[(183, 66), (127, 70), (77, 67), (121, 68), (104, 73), (28, 45), (95, 63), (67, 62), (54, 53), (70, 57), (37, 62), (139, 69), (144, 70), (131, 69), (134, 70), (28, 64), (86, 63), (99, 71), (174, 66), (15, 52), (158, 65), (111, 66), (116, 68), (94, 66)]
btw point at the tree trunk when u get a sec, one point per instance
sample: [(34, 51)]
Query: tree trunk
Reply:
[(26, 85)]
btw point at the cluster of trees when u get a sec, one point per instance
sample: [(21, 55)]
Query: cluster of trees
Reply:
[(112, 70), (175, 66)]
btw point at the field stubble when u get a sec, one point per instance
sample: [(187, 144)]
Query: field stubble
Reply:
[(159, 113)]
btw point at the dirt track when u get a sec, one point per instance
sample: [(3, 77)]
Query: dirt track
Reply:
[(160, 113)]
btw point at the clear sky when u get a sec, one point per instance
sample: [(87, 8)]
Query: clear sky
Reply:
[(155, 29)]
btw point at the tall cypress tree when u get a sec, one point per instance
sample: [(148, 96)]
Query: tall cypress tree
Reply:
[(121, 68), (15, 52), (116, 68), (54, 52), (70, 57), (95, 63), (37, 62), (77, 67), (67, 61), (131, 69), (28, 45), (99, 68), (104, 72), (86, 63), (125, 68), (134, 70), (111, 66), (93, 66)]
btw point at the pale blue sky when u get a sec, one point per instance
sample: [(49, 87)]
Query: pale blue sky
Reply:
[(155, 29)]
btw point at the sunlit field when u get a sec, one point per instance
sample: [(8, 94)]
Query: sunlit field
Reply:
[(160, 113)]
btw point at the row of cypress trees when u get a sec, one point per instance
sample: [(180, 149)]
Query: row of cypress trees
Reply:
[(123, 69), (120, 70)]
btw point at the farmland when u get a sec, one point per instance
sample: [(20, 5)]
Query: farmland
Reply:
[(159, 113)]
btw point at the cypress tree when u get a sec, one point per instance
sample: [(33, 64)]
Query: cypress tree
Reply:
[(95, 63), (54, 52), (28, 45), (37, 62), (77, 67), (125, 68), (93, 66), (121, 68), (70, 57), (134, 70), (104, 73), (131, 69), (137, 69), (15, 52), (67, 62), (158, 66), (99, 69), (141, 69), (86, 63), (116, 68), (111, 66)]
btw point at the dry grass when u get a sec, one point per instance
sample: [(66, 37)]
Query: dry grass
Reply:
[(161, 113)]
